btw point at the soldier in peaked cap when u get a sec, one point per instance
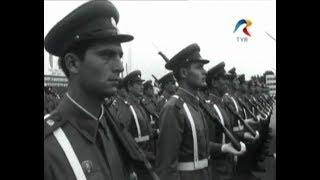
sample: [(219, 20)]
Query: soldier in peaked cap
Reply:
[(118, 101), (136, 119), (81, 140), (168, 88), (222, 153), (183, 144), (149, 103), (149, 96)]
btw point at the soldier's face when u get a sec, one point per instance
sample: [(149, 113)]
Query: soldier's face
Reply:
[(244, 88), (196, 76), (236, 84), (136, 89), (122, 92), (220, 84), (171, 87), (100, 69), (149, 92)]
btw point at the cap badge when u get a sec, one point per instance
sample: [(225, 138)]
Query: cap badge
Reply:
[(113, 22)]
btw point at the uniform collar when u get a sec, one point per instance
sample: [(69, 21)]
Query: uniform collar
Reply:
[(188, 97), (84, 123)]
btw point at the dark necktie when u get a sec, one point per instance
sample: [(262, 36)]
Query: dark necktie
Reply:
[(109, 151)]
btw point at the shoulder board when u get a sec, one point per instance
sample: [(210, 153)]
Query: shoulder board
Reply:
[(178, 100), (51, 122)]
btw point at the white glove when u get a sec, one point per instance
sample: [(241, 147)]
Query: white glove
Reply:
[(248, 136), (257, 135), (133, 176), (228, 148), (259, 118)]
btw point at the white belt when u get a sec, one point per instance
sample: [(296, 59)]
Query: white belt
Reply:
[(222, 122), (70, 154), (142, 138), (234, 102), (191, 166), (135, 120)]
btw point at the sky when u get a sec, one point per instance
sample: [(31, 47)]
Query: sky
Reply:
[(173, 25)]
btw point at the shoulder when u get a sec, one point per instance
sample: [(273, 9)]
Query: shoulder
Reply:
[(174, 101), (52, 122)]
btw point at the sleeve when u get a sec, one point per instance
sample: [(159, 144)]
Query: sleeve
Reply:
[(47, 172), (124, 114), (169, 141)]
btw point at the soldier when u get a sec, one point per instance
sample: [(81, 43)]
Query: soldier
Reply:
[(149, 101), (118, 102), (80, 138), (138, 121), (168, 88), (183, 144), (244, 163), (222, 161)]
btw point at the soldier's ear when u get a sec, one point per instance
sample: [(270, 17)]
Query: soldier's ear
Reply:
[(72, 62), (183, 73)]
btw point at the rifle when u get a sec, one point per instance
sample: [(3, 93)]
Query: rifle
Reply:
[(164, 57), (129, 144), (246, 126), (262, 102), (253, 105), (248, 109), (235, 143), (156, 81)]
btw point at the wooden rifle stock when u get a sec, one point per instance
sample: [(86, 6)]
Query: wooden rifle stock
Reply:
[(235, 143)]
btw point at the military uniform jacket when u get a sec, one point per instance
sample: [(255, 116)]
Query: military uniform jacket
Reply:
[(163, 99), (143, 118), (222, 163), (120, 111), (82, 132), (233, 106), (216, 134), (151, 107), (175, 143)]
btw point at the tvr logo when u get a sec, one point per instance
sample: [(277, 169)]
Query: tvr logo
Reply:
[(245, 31)]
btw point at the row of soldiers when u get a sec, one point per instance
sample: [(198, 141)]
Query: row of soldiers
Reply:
[(228, 95), (213, 125), (51, 100)]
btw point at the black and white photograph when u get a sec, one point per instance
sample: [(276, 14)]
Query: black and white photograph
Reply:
[(159, 89)]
